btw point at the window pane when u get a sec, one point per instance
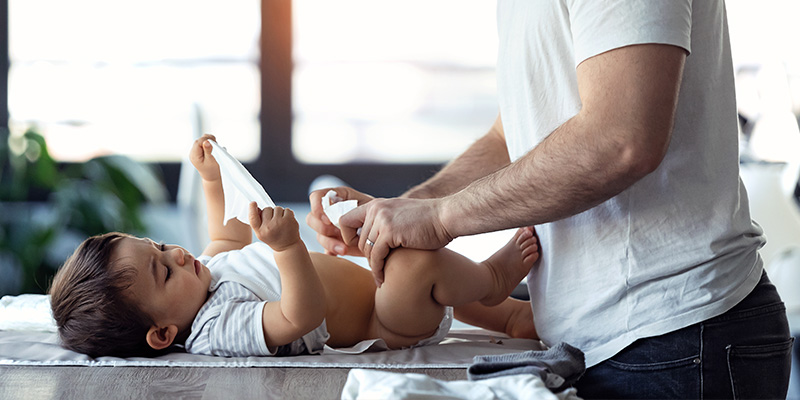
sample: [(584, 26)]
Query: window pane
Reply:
[(131, 78), (391, 81)]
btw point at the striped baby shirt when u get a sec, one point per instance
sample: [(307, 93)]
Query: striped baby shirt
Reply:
[(230, 322)]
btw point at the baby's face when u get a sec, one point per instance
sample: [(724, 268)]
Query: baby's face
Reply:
[(170, 284)]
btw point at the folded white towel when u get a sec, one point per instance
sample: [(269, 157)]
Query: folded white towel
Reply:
[(239, 187), (26, 312), (374, 384)]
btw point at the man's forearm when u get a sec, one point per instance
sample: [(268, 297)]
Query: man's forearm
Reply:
[(571, 171), (487, 155)]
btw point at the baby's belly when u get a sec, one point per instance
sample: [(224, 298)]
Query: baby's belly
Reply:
[(350, 294)]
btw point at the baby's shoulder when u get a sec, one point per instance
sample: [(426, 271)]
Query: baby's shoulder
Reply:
[(231, 291)]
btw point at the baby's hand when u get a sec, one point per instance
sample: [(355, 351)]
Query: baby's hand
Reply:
[(203, 161), (276, 227)]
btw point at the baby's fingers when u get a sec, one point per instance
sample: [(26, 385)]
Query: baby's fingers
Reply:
[(196, 154), (201, 151), (255, 215), (287, 213), (278, 212), (207, 148)]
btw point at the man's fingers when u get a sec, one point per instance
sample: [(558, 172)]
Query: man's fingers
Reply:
[(315, 200), (376, 261), (349, 224), (322, 225), (332, 246), (365, 236)]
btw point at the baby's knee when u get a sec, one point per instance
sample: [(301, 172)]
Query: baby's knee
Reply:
[(403, 263)]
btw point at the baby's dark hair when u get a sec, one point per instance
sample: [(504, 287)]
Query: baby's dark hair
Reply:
[(92, 313)]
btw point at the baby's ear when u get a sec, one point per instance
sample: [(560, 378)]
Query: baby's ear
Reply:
[(161, 338)]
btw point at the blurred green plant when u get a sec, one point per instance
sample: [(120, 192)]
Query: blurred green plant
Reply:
[(100, 195)]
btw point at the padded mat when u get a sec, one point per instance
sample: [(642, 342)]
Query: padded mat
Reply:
[(31, 348)]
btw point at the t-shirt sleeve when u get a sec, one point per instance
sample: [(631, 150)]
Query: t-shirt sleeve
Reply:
[(600, 26), (234, 328)]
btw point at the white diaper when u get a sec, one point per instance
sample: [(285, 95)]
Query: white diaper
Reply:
[(444, 328), (380, 344)]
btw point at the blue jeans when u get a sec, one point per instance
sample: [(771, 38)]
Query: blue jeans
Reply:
[(744, 353)]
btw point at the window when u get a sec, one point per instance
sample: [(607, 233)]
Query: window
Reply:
[(134, 78), (377, 94), (764, 40), (380, 94), (391, 81)]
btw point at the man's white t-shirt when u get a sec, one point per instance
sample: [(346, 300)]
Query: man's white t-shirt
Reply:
[(677, 247)]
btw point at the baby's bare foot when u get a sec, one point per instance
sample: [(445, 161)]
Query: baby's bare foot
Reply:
[(510, 264)]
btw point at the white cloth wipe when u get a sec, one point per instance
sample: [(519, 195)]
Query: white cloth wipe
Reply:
[(239, 187)]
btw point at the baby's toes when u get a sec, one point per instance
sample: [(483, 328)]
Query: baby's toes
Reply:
[(522, 235), (530, 257), (530, 250)]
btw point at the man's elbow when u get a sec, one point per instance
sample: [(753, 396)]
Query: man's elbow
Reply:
[(638, 160)]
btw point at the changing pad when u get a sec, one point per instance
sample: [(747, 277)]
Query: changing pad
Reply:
[(28, 338), (35, 348)]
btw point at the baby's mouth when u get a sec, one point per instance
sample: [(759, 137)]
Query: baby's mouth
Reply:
[(197, 267)]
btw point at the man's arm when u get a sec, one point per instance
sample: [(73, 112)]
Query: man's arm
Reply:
[(487, 155), (621, 134), (224, 237)]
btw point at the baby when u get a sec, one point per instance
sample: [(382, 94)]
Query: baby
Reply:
[(120, 295)]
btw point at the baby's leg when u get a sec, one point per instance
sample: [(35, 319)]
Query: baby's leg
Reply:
[(419, 284), (510, 264)]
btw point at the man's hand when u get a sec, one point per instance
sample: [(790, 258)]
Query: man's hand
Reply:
[(390, 223), (203, 161), (277, 227), (328, 235)]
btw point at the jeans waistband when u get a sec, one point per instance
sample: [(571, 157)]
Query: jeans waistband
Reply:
[(763, 299)]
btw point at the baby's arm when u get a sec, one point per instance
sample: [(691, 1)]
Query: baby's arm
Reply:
[(302, 306), (224, 237)]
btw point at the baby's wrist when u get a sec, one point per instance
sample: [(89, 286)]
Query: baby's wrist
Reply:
[(211, 180), (288, 247)]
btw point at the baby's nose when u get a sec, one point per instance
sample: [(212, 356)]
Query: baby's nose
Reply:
[(180, 256)]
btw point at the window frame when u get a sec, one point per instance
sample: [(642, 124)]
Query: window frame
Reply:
[(5, 64)]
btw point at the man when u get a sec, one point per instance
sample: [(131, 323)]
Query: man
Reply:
[(617, 138)]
